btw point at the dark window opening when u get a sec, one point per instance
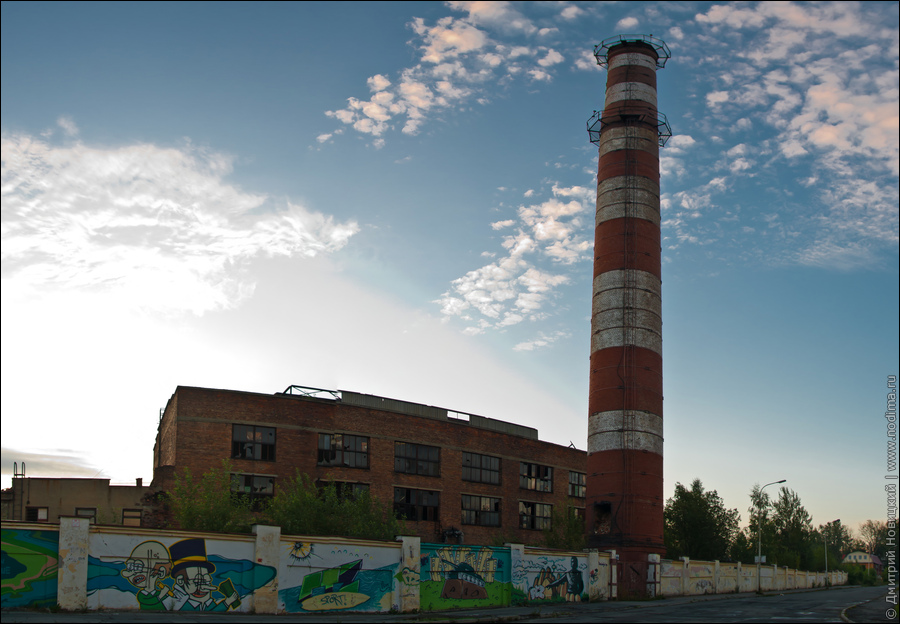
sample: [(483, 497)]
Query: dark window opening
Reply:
[(577, 484), (417, 459), (534, 516), (254, 443), (535, 477), (481, 468), (340, 449), (343, 489), (416, 505), (480, 510), (258, 489)]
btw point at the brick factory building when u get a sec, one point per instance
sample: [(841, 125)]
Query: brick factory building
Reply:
[(456, 477)]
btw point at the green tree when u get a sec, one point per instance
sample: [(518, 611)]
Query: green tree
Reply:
[(567, 530), (792, 531), (697, 524), (760, 529), (743, 548), (874, 535), (301, 508), (209, 504)]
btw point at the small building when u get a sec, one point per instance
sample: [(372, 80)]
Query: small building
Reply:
[(866, 560), (45, 499), (454, 477)]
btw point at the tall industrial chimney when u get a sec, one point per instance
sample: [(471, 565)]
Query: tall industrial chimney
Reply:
[(625, 427)]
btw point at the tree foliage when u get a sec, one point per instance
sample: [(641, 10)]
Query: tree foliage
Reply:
[(792, 526), (208, 503), (874, 537), (567, 530), (301, 508), (697, 524)]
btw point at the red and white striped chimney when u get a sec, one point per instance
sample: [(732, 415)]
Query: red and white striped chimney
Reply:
[(625, 426)]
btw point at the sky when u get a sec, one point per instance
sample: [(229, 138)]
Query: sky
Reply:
[(397, 199)]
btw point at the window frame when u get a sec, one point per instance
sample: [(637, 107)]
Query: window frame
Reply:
[(478, 510), (578, 485), (529, 518), (87, 512), (344, 489), (37, 513), (417, 501), (129, 514), (262, 450), (340, 452), (476, 474), (535, 477), (419, 459), (255, 493)]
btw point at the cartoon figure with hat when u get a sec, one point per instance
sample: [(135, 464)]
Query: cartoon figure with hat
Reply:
[(192, 573)]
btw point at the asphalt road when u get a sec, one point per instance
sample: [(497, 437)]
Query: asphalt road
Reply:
[(857, 604)]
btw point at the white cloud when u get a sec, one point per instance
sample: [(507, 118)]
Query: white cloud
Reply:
[(378, 83), (716, 97), (587, 61), (157, 228), (627, 24), (552, 58)]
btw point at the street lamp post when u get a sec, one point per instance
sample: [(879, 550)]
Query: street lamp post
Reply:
[(759, 537), (825, 533)]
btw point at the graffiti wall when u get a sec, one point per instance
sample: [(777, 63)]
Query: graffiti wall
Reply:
[(454, 577), (331, 575), (127, 571), (550, 577), (29, 564), (78, 566)]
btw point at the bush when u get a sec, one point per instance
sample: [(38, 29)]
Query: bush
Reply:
[(301, 508), (209, 504), (567, 532)]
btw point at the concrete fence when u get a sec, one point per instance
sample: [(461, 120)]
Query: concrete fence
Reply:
[(693, 578), (78, 565)]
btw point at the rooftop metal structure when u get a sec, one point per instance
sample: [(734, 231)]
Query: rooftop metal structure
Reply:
[(601, 50), (413, 409)]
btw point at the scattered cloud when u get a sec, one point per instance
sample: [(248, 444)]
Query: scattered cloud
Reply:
[(541, 341), (517, 287), (460, 58)]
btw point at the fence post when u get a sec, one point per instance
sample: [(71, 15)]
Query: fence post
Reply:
[(267, 552), (74, 540), (410, 572)]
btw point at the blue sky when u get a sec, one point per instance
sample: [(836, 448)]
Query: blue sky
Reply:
[(397, 199)]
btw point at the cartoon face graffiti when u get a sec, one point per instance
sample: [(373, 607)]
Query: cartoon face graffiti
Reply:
[(148, 563), (192, 572), (196, 582)]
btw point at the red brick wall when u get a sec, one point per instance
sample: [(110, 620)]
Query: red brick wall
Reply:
[(204, 433)]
